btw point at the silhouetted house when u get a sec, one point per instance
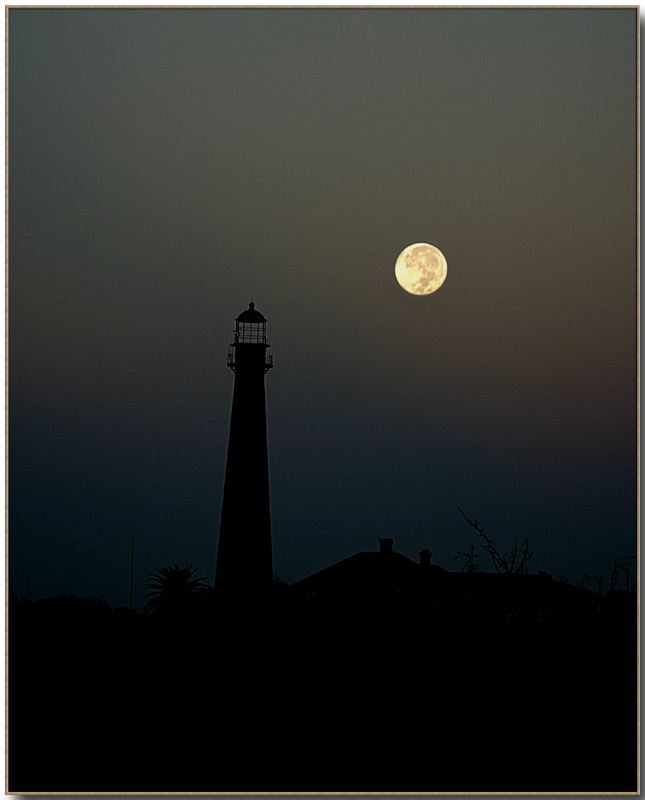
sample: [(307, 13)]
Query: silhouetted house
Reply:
[(371, 573), (390, 578)]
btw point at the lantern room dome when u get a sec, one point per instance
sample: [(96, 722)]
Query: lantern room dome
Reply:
[(251, 315)]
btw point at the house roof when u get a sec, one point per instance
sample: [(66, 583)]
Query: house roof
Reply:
[(369, 572), (388, 571)]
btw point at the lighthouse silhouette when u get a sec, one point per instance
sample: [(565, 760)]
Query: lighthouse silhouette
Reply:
[(244, 554)]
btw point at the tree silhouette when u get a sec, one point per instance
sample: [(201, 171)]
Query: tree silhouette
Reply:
[(626, 566), (467, 559), (173, 589), (514, 560)]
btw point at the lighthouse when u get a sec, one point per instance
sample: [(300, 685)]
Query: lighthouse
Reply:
[(244, 554)]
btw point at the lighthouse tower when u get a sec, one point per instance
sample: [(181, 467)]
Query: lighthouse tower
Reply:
[(244, 555)]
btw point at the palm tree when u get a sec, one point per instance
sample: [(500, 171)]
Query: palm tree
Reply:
[(173, 589)]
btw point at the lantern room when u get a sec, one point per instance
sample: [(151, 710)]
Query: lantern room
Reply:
[(250, 329)]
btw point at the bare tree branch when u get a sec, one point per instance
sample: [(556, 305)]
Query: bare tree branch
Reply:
[(503, 562)]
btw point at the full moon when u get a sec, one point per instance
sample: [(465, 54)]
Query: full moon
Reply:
[(421, 269)]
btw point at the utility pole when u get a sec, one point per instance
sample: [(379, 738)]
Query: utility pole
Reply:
[(131, 572)]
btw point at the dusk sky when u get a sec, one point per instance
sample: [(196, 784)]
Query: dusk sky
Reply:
[(167, 166)]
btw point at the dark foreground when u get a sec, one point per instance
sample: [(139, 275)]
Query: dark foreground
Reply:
[(294, 696)]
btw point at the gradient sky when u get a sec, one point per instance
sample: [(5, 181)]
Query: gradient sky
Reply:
[(166, 166)]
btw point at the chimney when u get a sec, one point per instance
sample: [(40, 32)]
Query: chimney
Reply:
[(425, 558), (386, 545)]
